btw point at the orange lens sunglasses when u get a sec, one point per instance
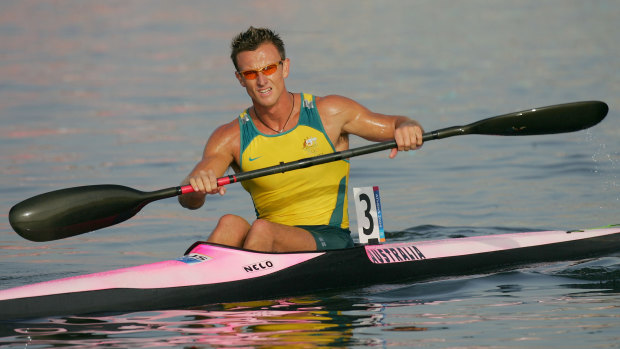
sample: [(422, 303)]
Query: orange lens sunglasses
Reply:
[(266, 70)]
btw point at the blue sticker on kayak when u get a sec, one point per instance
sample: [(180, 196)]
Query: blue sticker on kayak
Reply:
[(193, 258)]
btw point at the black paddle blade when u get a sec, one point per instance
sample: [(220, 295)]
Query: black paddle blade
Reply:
[(68, 212), (561, 118)]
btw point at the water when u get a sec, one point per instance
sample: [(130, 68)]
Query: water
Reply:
[(127, 93)]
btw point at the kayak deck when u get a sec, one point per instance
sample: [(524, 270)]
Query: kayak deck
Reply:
[(210, 273)]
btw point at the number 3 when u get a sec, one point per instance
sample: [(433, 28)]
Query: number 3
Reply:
[(368, 231)]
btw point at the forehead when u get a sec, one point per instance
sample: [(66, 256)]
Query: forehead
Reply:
[(265, 54)]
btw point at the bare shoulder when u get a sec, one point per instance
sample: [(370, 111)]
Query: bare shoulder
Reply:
[(227, 130), (334, 105), (337, 111), (224, 140)]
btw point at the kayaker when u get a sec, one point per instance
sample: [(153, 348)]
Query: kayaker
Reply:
[(299, 210)]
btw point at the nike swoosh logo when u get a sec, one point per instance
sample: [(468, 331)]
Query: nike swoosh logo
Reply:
[(256, 158)]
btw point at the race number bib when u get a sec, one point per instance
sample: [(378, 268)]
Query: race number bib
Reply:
[(369, 217)]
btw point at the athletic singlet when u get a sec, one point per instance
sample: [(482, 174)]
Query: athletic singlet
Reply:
[(315, 195)]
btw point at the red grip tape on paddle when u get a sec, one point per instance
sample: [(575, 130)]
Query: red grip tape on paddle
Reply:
[(186, 189)]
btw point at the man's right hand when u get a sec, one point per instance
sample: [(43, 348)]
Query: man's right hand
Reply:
[(205, 182)]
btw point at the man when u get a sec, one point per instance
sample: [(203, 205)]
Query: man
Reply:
[(299, 210)]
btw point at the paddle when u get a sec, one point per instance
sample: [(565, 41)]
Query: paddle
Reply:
[(67, 212)]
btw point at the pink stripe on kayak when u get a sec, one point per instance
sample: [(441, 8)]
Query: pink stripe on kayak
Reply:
[(412, 251), (205, 264)]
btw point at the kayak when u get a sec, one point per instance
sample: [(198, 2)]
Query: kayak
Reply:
[(210, 273)]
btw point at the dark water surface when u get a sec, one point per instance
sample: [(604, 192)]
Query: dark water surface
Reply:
[(126, 92)]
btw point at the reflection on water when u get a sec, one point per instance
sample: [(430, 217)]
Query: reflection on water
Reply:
[(299, 322)]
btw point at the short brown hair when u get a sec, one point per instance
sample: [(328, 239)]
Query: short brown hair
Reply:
[(251, 39)]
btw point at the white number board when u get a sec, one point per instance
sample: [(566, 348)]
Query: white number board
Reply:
[(369, 217)]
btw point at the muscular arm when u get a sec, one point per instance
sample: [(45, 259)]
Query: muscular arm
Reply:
[(342, 116), (219, 154)]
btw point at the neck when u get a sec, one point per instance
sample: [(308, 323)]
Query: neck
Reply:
[(277, 118)]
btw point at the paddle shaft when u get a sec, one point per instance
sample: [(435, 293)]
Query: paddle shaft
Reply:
[(73, 211)]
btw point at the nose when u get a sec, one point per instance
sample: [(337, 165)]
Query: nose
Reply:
[(261, 79)]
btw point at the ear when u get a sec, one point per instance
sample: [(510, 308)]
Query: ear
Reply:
[(240, 78), (285, 67)]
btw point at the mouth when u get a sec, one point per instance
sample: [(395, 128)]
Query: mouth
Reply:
[(265, 91)]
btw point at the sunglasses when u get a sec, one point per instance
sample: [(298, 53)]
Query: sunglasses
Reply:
[(266, 70)]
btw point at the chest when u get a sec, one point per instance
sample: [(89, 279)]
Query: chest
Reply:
[(302, 142)]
